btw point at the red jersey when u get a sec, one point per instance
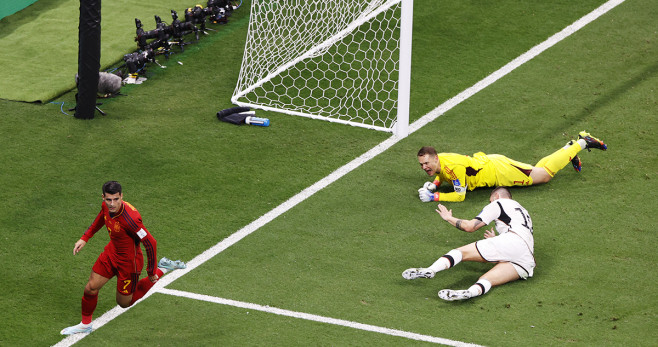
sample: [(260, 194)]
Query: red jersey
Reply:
[(126, 232)]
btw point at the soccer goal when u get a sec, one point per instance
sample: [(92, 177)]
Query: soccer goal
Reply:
[(340, 61)]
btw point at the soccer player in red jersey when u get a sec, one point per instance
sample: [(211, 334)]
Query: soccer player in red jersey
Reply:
[(122, 257)]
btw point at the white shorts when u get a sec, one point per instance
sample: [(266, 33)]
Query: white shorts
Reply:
[(508, 247)]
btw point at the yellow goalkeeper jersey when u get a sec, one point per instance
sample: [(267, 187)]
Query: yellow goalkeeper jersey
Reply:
[(480, 170)]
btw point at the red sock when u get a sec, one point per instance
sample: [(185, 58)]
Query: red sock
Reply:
[(88, 306), (143, 286)]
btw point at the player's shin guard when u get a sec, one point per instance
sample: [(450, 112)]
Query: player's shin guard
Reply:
[(143, 286), (89, 302), (447, 261), (559, 159), (480, 287)]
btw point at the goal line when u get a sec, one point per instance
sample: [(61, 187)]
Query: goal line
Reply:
[(315, 318)]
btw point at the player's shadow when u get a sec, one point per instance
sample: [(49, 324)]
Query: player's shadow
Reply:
[(605, 99), (463, 275), (608, 97)]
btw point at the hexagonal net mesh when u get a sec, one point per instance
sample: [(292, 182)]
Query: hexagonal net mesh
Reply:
[(326, 59)]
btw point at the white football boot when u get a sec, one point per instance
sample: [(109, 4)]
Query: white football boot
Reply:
[(421, 272), (452, 295)]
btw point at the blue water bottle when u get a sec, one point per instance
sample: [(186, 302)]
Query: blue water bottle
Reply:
[(263, 122)]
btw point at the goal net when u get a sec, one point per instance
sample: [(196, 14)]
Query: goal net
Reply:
[(340, 61)]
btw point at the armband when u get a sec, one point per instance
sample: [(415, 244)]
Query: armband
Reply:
[(141, 233)]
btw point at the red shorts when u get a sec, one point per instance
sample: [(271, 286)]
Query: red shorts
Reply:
[(127, 272)]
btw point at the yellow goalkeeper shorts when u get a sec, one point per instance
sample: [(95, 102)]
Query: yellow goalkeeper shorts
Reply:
[(510, 172)]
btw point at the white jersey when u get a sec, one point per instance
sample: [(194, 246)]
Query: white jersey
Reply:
[(510, 216)]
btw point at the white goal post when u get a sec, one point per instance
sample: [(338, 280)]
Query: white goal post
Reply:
[(340, 61)]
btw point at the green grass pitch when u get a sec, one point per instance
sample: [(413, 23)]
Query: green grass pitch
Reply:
[(340, 253)]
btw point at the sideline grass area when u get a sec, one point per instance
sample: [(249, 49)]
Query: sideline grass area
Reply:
[(40, 43), (340, 254)]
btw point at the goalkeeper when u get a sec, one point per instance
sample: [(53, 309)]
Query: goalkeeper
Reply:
[(490, 170)]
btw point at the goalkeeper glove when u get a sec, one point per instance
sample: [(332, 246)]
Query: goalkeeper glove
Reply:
[(429, 186), (427, 196)]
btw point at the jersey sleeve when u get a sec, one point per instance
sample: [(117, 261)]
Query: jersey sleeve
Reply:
[(95, 226), (134, 220), (150, 245), (457, 177), (489, 213)]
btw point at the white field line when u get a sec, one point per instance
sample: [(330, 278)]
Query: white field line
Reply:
[(342, 171), (315, 318)]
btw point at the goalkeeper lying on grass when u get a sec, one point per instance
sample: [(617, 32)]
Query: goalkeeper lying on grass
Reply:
[(490, 170)]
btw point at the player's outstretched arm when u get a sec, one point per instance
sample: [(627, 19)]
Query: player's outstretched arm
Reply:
[(451, 197), (468, 226), (78, 246)]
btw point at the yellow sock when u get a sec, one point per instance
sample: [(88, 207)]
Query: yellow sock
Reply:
[(559, 159)]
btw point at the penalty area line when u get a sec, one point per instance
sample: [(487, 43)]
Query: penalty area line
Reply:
[(347, 168), (315, 318)]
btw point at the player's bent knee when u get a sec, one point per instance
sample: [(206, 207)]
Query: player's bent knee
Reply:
[(539, 175), (90, 290), (124, 300), (124, 305)]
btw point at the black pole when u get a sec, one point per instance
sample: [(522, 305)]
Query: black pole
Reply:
[(89, 58)]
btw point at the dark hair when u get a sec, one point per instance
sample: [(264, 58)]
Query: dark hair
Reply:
[(111, 187), (427, 150), (505, 191)]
